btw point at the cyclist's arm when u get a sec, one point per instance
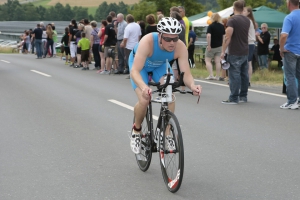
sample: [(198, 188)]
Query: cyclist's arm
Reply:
[(139, 60)]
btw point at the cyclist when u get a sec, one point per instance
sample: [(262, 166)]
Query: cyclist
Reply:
[(150, 55)]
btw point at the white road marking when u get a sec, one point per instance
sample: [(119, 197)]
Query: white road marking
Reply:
[(127, 106), (5, 61), (251, 90), (41, 73)]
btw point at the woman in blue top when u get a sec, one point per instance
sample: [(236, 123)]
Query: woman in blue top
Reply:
[(150, 55)]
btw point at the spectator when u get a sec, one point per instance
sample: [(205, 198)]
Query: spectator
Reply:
[(214, 36), (223, 71), (84, 44), (174, 64), (159, 12), (150, 19), (72, 41), (191, 46), (110, 41), (88, 30), (251, 39), (160, 17), (120, 34), (236, 39), (31, 41), (49, 33), (143, 28), (44, 38), (77, 36), (65, 43), (290, 51), (54, 40), (276, 53), (132, 35), (95, 42), (263, 41), (37, 37), (26, 43), (186, 22), (101, 35), (115, 23)]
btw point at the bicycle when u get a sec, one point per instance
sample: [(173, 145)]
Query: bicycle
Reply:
[(171, 160)]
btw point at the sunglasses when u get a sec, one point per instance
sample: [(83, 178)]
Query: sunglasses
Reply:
[(167, 39)]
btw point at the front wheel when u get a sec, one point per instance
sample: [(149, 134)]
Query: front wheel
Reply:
[(171, 153), (144, 158)]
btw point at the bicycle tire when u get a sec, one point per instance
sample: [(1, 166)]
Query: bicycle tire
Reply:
[(144, 158), (172, 163)]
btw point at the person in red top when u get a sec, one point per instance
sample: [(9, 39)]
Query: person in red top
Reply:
[(101, 35)]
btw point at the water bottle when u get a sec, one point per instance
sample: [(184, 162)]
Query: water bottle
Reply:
[(169, 90)]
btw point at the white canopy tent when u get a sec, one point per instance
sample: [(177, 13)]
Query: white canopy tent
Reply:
[(203, 21)]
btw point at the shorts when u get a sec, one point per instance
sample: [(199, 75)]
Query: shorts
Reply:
[(85, 55), (78, 50), (213, 52), (157, 72), (101, 48), (67, 50), (106, 51), (251, 52), (73, 48)]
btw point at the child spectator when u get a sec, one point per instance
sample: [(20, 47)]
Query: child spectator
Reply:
[(84, 43)]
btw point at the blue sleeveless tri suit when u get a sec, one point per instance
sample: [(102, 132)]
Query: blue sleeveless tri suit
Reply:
[(155, 64)]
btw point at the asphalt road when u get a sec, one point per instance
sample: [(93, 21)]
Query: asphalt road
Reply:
[(62, 138)]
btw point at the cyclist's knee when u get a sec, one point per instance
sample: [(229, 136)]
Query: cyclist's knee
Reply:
[(143, 102)]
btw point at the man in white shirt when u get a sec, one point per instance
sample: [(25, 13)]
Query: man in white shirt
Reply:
[(132, 35), (120, 34)]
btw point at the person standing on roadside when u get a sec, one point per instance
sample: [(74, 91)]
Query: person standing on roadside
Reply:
[(186, 22), (214, 37), (236, 39), (120, 34), (37, 37), (132, 35), (251, 39), (72, 41), (263, 41), (95, 42), (290, 52), (191, 46), (88, 31)]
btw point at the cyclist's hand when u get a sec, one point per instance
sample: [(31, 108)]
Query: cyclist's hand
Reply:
[(197, 89), (146, 93)]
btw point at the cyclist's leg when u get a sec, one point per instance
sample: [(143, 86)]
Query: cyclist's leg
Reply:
[(141, 106), (158, 76)]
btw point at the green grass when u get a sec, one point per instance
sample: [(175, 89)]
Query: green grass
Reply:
[(41, 3), (7, 50), (271, 76)]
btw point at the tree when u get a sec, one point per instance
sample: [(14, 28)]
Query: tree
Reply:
[(101, 12), (192, 7), (68, 13), (41, 11), (283, 8), (142, 9), (80, 13), (19, 14), (30, 14)]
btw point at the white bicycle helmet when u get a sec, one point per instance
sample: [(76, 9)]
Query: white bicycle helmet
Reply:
[(169, 25)]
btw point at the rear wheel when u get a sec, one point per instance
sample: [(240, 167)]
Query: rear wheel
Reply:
[(144, 158), (172, 153)]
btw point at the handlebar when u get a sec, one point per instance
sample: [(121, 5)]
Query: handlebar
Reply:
[(174, 85)]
